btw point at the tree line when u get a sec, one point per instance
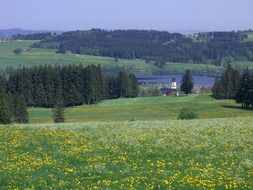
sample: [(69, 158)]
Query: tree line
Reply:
[(235, 85), (49, 87), (12, 107), (35, 36), (74, 85), (154, 46)]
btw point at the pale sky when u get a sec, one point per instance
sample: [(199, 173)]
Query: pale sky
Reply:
[(127, 14)]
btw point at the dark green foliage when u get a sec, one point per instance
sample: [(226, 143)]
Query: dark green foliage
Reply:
[(17, 51), (75, 85), (36, 36), (19, 109), (226, 86), (116, 59), (244, 93), (5, 104), (5, 112), (187, 82), (58, 112), (127, 85), (233, 86), (217, 89), (187, 113), (151, 90), (155, 46)]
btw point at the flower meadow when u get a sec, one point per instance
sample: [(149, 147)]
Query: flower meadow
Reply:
[(197, 154)]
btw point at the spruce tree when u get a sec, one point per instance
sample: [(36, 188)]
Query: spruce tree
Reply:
[(58, 112), (5, 112), (227, 85), (217, 89), (124, 84), (20, 109), (251, 90), (187, 82), (5, 107), (245, 89), (230, 82)]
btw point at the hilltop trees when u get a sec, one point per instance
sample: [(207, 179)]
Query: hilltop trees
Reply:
[(154, 46), (187, 82), (36, 36)]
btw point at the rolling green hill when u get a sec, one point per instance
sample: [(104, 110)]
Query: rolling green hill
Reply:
[(250, 36), (198, 154), (48, 56), (39, 56), (148, 109)]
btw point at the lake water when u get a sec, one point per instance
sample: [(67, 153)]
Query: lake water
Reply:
[(158, 79)]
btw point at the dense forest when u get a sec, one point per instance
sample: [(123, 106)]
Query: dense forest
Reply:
[(12, 107), (35, 36), (235, 85), (44, 86), (154, 46)]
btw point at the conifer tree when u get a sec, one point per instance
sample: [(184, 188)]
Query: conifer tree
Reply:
[(58, 112), (187, 82), (227, 85), (5, 111), (230, 82), (245, 90), (20, 109)]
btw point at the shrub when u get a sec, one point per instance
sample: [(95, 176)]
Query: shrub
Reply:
[(17, 51), (187, 113)]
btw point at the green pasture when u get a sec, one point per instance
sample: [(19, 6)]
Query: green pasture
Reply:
[(144, 109), (38, 56), (202, 69)]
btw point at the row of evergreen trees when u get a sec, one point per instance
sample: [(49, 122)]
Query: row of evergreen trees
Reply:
[(235, 85), (12, 107), (43, 86)]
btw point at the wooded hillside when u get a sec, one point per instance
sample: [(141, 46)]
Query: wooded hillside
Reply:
[(155, 46)]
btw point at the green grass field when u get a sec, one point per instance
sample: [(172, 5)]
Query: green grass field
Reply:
[(250, 36), (197, 154), (201, 69), (147, 109), (48, 56), (39, 56)]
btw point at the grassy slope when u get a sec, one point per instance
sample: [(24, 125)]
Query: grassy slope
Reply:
[(150, 108), (203, 69), (198, 154), (48, 56), (250, 36)]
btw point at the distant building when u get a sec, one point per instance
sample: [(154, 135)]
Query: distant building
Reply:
[(26, 49), (173, 84), (172, 90)]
